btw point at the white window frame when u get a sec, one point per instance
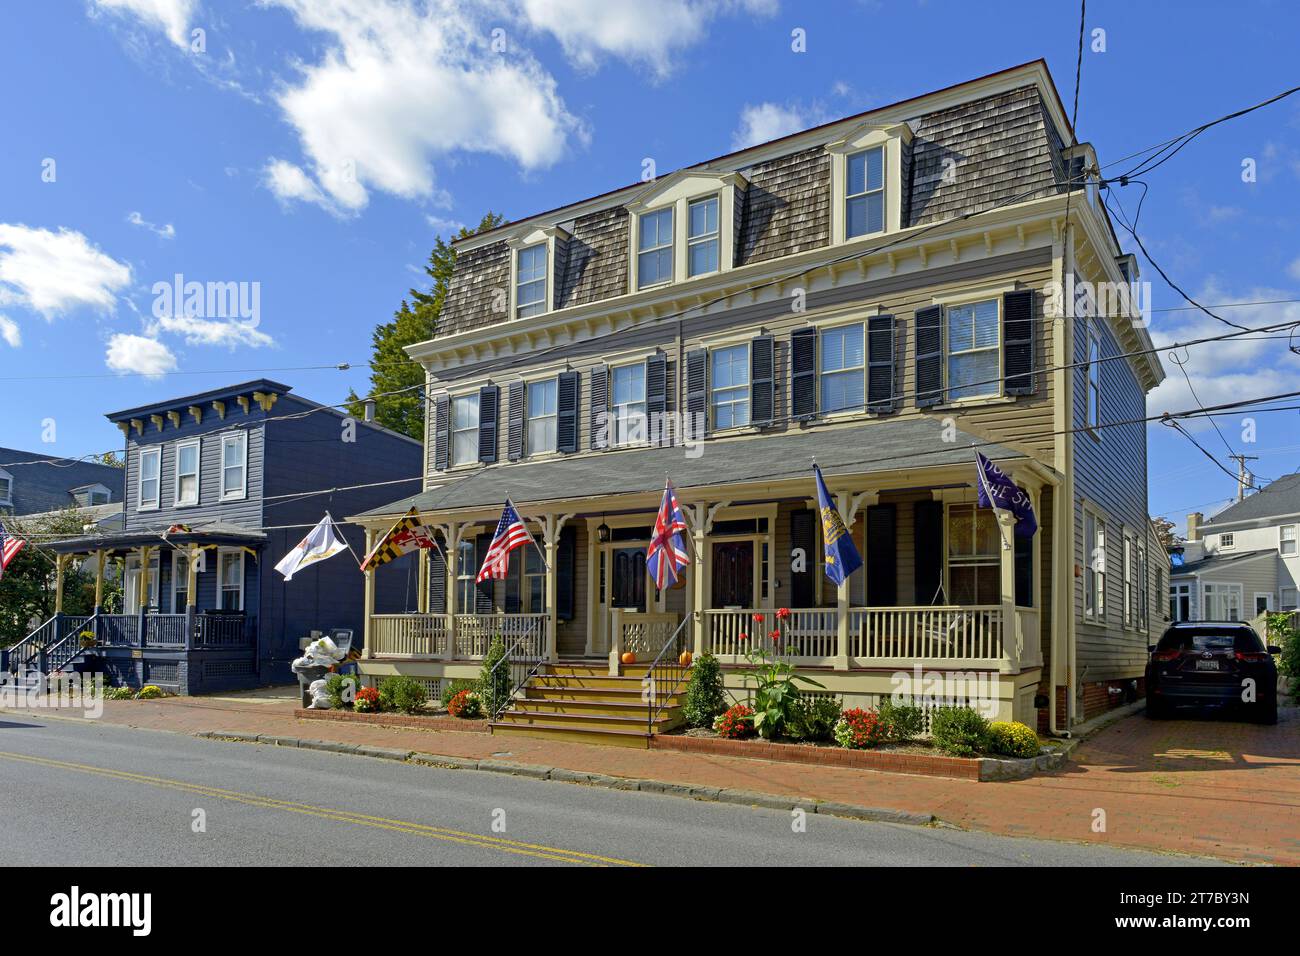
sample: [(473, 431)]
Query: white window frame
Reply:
[(133, 566), (622, 414), (1268, 603), (670, 245), (155, 453), (1092, 396), (1227, 541), (882, 190), (548, 236), (984, 563), (1216, 588), (222, 554), (471, 430), (229, 438), (103, 493), (466, 575), (7, 480), (1129, 581), (552, 416), (714, 237), (537, 307), (1283, 540), (180, 446), (1283, 603), (180, 582), (678, 191), (996, 382), (892, 138), (846, 371), (1177, 590), (715, 389), (1094, 566)]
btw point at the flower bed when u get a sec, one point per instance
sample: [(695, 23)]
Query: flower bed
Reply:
[(405, 721)]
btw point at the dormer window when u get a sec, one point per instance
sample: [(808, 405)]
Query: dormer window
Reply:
[(533, 254), (6, 488), (867, 182), (530, 281), (864, 193), (702, 236), (654, 261)]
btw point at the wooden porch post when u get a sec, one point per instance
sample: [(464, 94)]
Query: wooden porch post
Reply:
[(422, 599), (100, 557), (700, 520), (1010, 624), (368, 601), (452, 535), (191, 594), (60, 562), (146, 555), (552, 526)]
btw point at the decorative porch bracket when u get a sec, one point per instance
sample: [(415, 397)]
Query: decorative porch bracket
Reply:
[(700, 516)]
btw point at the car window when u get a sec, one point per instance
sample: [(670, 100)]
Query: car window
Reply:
[(1210, 639)]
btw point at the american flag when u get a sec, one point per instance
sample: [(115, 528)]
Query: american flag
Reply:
[(9, 548), (667, 552), (510, 534)]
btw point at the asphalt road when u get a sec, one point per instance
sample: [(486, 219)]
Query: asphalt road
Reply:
[(94, 794)]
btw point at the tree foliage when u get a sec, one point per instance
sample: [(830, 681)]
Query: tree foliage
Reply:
[(414, 321), (1165, 532)]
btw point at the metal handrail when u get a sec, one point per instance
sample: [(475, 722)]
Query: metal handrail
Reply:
[(24, 649), (494, 707), (656, 702)]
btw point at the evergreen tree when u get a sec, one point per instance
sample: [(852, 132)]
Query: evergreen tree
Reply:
[(415, 321)]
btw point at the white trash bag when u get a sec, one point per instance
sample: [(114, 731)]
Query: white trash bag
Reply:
[(320, 700)]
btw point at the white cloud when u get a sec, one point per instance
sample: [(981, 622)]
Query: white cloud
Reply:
[(290, 184), (1293, 270), (52, 272), (139, 354), (397, 87), (214, 332), (167, 231), (762, 122), (172, 17), (444, 226), (587, 30), (9, 332)]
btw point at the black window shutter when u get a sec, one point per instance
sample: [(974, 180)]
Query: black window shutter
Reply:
[(929, 356), (927, 552), (566, 412), (484, 600), (697, 391), (437, 581), (515, 415), (656, 395), (513, 604), (489, 397), (1018, 339), (803, 536), (882, 366), (599, 407), (441, 432), (565, 576), (1024, 571), (803, 373), (882, 555), (762, 380)]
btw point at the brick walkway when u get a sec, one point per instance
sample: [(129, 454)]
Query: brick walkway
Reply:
[(1202, 786)]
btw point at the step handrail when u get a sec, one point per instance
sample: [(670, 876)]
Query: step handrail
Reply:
[(24, 649), (496, 707), (57, 656), (672, 669)]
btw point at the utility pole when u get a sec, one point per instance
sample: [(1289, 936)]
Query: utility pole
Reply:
[(1242, 484)]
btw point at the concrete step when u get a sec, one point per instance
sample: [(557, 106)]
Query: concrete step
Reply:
[(576, 733)]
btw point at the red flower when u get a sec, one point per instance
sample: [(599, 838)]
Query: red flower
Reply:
[(758, 619), (742, 637), (782, 613), (776, 635)]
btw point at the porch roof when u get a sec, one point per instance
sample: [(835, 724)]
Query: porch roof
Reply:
[(216, 533), (862, 448)]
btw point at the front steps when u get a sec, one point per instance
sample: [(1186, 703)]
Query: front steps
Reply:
[(580, 702)]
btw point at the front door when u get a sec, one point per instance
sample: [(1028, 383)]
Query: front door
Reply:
[(627, 583), (733, 574)]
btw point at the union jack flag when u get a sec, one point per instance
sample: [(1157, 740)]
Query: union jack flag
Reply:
[(510, 534), (667, 552), (9, 548)]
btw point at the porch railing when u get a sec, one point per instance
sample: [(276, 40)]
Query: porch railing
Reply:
[(643, 633), (808, 635), (119, 630), (474, 632), (904, 635), (165, 629), (410, 635), (523, 658), (223, 630)]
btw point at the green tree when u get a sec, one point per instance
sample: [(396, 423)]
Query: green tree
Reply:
[(27, 586), (414, 321)]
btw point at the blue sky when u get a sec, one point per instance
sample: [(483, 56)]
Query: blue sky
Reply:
[(317, 148)]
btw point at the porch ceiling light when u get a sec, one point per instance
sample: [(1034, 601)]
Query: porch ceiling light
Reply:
[(602, 533)]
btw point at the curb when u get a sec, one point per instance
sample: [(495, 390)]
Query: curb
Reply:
[(749, 798)]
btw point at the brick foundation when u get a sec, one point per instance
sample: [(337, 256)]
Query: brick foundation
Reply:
[(1097, 699)]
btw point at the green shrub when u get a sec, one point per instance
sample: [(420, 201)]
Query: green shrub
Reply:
[(858, 729), (453, 687), (150, 692), (903, 722), (1281, 632), (494, 686), (341, 690), (1012, 739), (705, 698), (402, 693), (959, 731), (119, 693), (815, 718)]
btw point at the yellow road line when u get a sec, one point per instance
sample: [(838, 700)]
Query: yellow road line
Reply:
[(502, 844)]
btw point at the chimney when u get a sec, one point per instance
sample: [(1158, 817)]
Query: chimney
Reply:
[(1194, 520), (370, 409)]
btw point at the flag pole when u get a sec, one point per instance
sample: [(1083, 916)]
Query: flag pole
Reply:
[(533, 538), (346, 543)]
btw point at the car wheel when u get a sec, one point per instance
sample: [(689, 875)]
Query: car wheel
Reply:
[(1266, 711), (1156, 710)]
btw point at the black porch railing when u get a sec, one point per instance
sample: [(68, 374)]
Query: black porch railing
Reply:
[(665, 675), (522, 660)]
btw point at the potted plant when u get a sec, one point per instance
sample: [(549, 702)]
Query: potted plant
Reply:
[(88, 662)]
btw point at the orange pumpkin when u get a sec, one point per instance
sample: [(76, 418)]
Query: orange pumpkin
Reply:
[(629, 657), (686, 658)]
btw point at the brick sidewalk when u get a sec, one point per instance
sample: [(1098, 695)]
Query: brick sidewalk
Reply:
[(1202, 786)]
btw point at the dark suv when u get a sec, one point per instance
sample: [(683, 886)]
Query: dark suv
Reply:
[(1210, 662)]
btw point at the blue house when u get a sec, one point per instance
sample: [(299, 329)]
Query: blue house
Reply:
[(219, 487), (31, 483)]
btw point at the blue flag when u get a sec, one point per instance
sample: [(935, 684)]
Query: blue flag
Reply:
[(1000, 493), (842, 558)]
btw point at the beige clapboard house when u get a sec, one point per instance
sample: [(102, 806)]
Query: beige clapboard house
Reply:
[(878, 294)]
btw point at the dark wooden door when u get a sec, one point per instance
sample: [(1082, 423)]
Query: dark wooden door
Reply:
[(627, 585), (733, 574)]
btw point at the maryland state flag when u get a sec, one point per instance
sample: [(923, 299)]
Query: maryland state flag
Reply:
[(409, 534), (842, 557)]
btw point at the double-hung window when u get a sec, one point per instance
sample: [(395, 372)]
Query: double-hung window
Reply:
[(628, 404), (464, 429), (654, 261), (466, 572), (974, 349), (702, 236), (150, 480), (1094, 577), (843, 369), (541, 416), (230, 580), (234, 465), (1222, 602), (180, 581), (1180, 602), (1130, 582), (1286, 539), (530, 281), (864, 193), (729, 386), (6, 489), (1093, 405), (974, 561), (1227, 541), (1288, 596), (187, 473)]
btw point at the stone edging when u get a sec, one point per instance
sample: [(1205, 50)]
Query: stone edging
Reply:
[(406, 722), (751, 798), (959, 768)]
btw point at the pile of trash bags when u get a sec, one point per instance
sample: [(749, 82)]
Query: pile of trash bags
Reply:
[(320, 657)]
